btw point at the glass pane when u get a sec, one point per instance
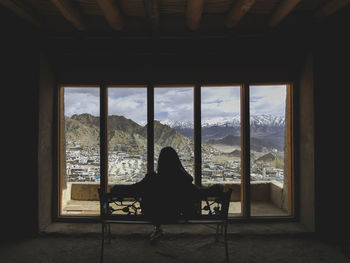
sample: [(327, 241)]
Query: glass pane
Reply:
[(127, 134), (268, 151), (221, 140), (173, 123), (80, 174)]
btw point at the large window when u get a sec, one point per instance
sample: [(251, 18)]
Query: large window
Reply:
[(239, 136), (221, 140)]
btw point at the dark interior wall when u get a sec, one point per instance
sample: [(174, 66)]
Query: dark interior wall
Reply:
[(19, 63), (249, 59), (46, 146), (331, 69), (155, 60), (306, 146)]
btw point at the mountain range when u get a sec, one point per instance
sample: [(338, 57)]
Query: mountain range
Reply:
[(235, 121), (266, 132), (123, 134)]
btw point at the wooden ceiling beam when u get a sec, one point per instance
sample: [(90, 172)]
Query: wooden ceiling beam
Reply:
[(283, 9), (152, 11), (70, 13), (21, 10), (238, 11), (112, 13), (331, 7), (194, 12)]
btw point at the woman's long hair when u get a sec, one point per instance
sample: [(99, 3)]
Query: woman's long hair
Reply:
[(169, 165)]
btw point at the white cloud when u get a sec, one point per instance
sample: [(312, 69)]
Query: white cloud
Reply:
[(81, 100), (175, 104), (220, 102), (128, 102), (268, 99)]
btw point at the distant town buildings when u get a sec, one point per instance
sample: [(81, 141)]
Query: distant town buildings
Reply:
[(128, 166)]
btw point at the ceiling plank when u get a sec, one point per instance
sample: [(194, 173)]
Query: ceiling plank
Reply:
[(194, 12), (112, 13), (331, 7), (238, 11), (21, 10), (152, 11), (283, 9), (70, 13)]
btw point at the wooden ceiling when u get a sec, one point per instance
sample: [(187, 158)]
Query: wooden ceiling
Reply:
[(139, 18)]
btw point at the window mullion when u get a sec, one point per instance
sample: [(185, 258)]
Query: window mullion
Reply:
[(289, 143), (245, 147), (103, 138), (197, 136), (150, 128), (61, 149)]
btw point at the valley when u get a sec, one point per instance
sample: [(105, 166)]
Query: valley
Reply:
[(127, 145)]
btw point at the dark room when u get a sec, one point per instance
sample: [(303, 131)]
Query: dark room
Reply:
[(175, 131)]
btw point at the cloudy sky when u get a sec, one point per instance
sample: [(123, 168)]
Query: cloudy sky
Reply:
[(175, 104), (220, 102), (268, 100)]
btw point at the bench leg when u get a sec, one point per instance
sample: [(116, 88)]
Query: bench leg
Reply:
[(217, 232), (109, 233), (103, 242), (226, 245)]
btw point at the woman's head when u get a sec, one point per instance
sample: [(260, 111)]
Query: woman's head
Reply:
[(168, 160), (169, 165)]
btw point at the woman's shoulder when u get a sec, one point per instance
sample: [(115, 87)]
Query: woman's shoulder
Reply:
[(149, 177), (151, 174)]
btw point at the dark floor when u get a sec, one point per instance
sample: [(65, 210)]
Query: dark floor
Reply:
[(177, 245)]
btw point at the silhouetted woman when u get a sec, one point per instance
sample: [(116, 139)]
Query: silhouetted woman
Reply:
[(168, 194)]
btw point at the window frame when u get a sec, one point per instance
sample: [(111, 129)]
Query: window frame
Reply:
[(245, 143)]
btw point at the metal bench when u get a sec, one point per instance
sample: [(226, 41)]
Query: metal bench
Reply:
[(127, 209)]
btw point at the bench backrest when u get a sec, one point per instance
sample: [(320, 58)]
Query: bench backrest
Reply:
[(128, 206)]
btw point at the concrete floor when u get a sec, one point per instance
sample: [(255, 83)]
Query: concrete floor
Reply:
[(80, 243)]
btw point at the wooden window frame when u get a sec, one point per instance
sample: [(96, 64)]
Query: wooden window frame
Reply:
[(245, 144)]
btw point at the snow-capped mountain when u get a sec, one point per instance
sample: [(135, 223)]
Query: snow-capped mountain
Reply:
[(180, 124), (223, 122), (235, 121), (267, 120), (268, 128)]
